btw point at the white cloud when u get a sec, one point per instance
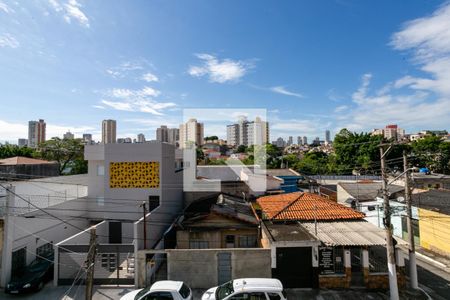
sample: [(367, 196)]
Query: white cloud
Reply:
[(7, 40), (71, 10), (149, 77), (118, 105), (127, 93), (98, 106), (341, 108), (282, 90), (5, 8), (220, 71)]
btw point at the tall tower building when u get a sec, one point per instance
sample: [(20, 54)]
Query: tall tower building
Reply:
[(173, 136), (305, 140), (141, 138), (299, 140), (248, 133), (162, 134), (109, 131), (327, 136), (68, 135), (36, 133), (290, 141), (191, 132), (87, 138)]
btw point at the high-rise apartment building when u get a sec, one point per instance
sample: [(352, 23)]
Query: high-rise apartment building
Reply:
[(109, 131), (290, 141), (248, 133), (305, 140), (173, 136), (141, 138), (162, 134), (392, 131), (191, 132), (327, 136), (36, 133), (22, 142), (87, 138), (299, 140), (68, 135)]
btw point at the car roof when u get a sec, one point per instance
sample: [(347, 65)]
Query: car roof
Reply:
[(166, 285), (259, 284)]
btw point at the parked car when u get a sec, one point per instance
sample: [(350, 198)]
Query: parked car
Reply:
[(161, 290), (33, 278), (247, 289)]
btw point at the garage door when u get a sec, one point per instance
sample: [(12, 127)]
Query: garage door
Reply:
[(294, 267)]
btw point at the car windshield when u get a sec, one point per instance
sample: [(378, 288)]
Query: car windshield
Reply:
[(224, 290), (38, 265), (142, 293)]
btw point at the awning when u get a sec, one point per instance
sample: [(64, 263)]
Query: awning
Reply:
[(356, 233)]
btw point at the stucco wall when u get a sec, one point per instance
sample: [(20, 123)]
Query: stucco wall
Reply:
[(434, 231), (183, 264)]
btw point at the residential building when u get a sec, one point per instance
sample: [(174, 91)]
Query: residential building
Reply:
[(305, 140), (392, 131), (248, 133), (316, 242), (126, 140), (109, 131), (22, 142), (280, 143), (377, 131), (68, 135), (191, 133), (162, 134), (173, 136), (327, 136), (87, 138), (299, 140), (36, 133), (141, 138), (290, 141)]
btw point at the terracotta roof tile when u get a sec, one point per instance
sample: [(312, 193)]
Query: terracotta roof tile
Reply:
[(21, 160), (303, 206)]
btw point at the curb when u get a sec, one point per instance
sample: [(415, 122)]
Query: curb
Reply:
[(429, 259)]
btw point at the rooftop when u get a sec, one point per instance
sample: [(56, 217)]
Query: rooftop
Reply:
[(366, 191), (350, 233), (435, 200), (302, 206), (21, 160), (287, 232), (282, 172)]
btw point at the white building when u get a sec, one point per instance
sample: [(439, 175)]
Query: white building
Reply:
[(109, 128), (248, 133), (87, 138), (68, 135), (141, 138), (191, 133)]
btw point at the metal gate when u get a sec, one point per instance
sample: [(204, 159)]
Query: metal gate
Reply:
[(114, 264), (223, 267)]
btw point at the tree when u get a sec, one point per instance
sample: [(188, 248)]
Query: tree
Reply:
[(69, 153), (14, 150), (211, 138), (241, 149), (431, 152)]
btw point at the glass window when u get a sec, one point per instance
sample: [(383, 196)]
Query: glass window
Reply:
[(100, 201), (159, 296), (229, 241), (100, 170), (45, 250), (184, 291), (247, 241), (196, 244), (274, 296)]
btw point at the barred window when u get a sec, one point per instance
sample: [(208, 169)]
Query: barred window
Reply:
[(247, 241), (196, 244)]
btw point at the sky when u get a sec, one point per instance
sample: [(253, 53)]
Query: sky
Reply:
[(310, 65)]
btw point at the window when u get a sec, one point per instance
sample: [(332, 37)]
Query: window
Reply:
[(274, 296), (45, 250), (249, 296), (377, 259), (229, 241), (247, 241), (159, 296), (153, 202), (196, 244), (100, 201), (100, 170), (184, 291)]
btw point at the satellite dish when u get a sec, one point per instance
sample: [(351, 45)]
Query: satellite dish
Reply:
[(401, 199)]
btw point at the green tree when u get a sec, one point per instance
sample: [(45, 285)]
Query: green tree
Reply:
[(431, 152), (69, 153), (241, 149), (313, 163), (14, 150)]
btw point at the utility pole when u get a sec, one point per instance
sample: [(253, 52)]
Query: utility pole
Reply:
[(411, 248), (145, 225), (91, 264), (393, 288)]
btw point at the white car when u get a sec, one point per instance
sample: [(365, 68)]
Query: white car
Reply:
[(161, 290), (247, 289)]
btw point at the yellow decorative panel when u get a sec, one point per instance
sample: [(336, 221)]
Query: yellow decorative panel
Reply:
[(134, 175)]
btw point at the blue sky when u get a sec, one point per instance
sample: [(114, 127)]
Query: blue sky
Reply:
[(313, 65)]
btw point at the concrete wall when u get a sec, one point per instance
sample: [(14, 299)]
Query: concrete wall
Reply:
[(434, 230), (215, 238), (183, 264)]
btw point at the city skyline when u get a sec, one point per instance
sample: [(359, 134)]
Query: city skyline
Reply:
[(77, 73)]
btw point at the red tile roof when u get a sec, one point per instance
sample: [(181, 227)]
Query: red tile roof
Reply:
[(21, 160), (303, 206)]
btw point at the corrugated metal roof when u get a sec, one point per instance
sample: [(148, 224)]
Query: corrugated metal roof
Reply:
[(356, 233)]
